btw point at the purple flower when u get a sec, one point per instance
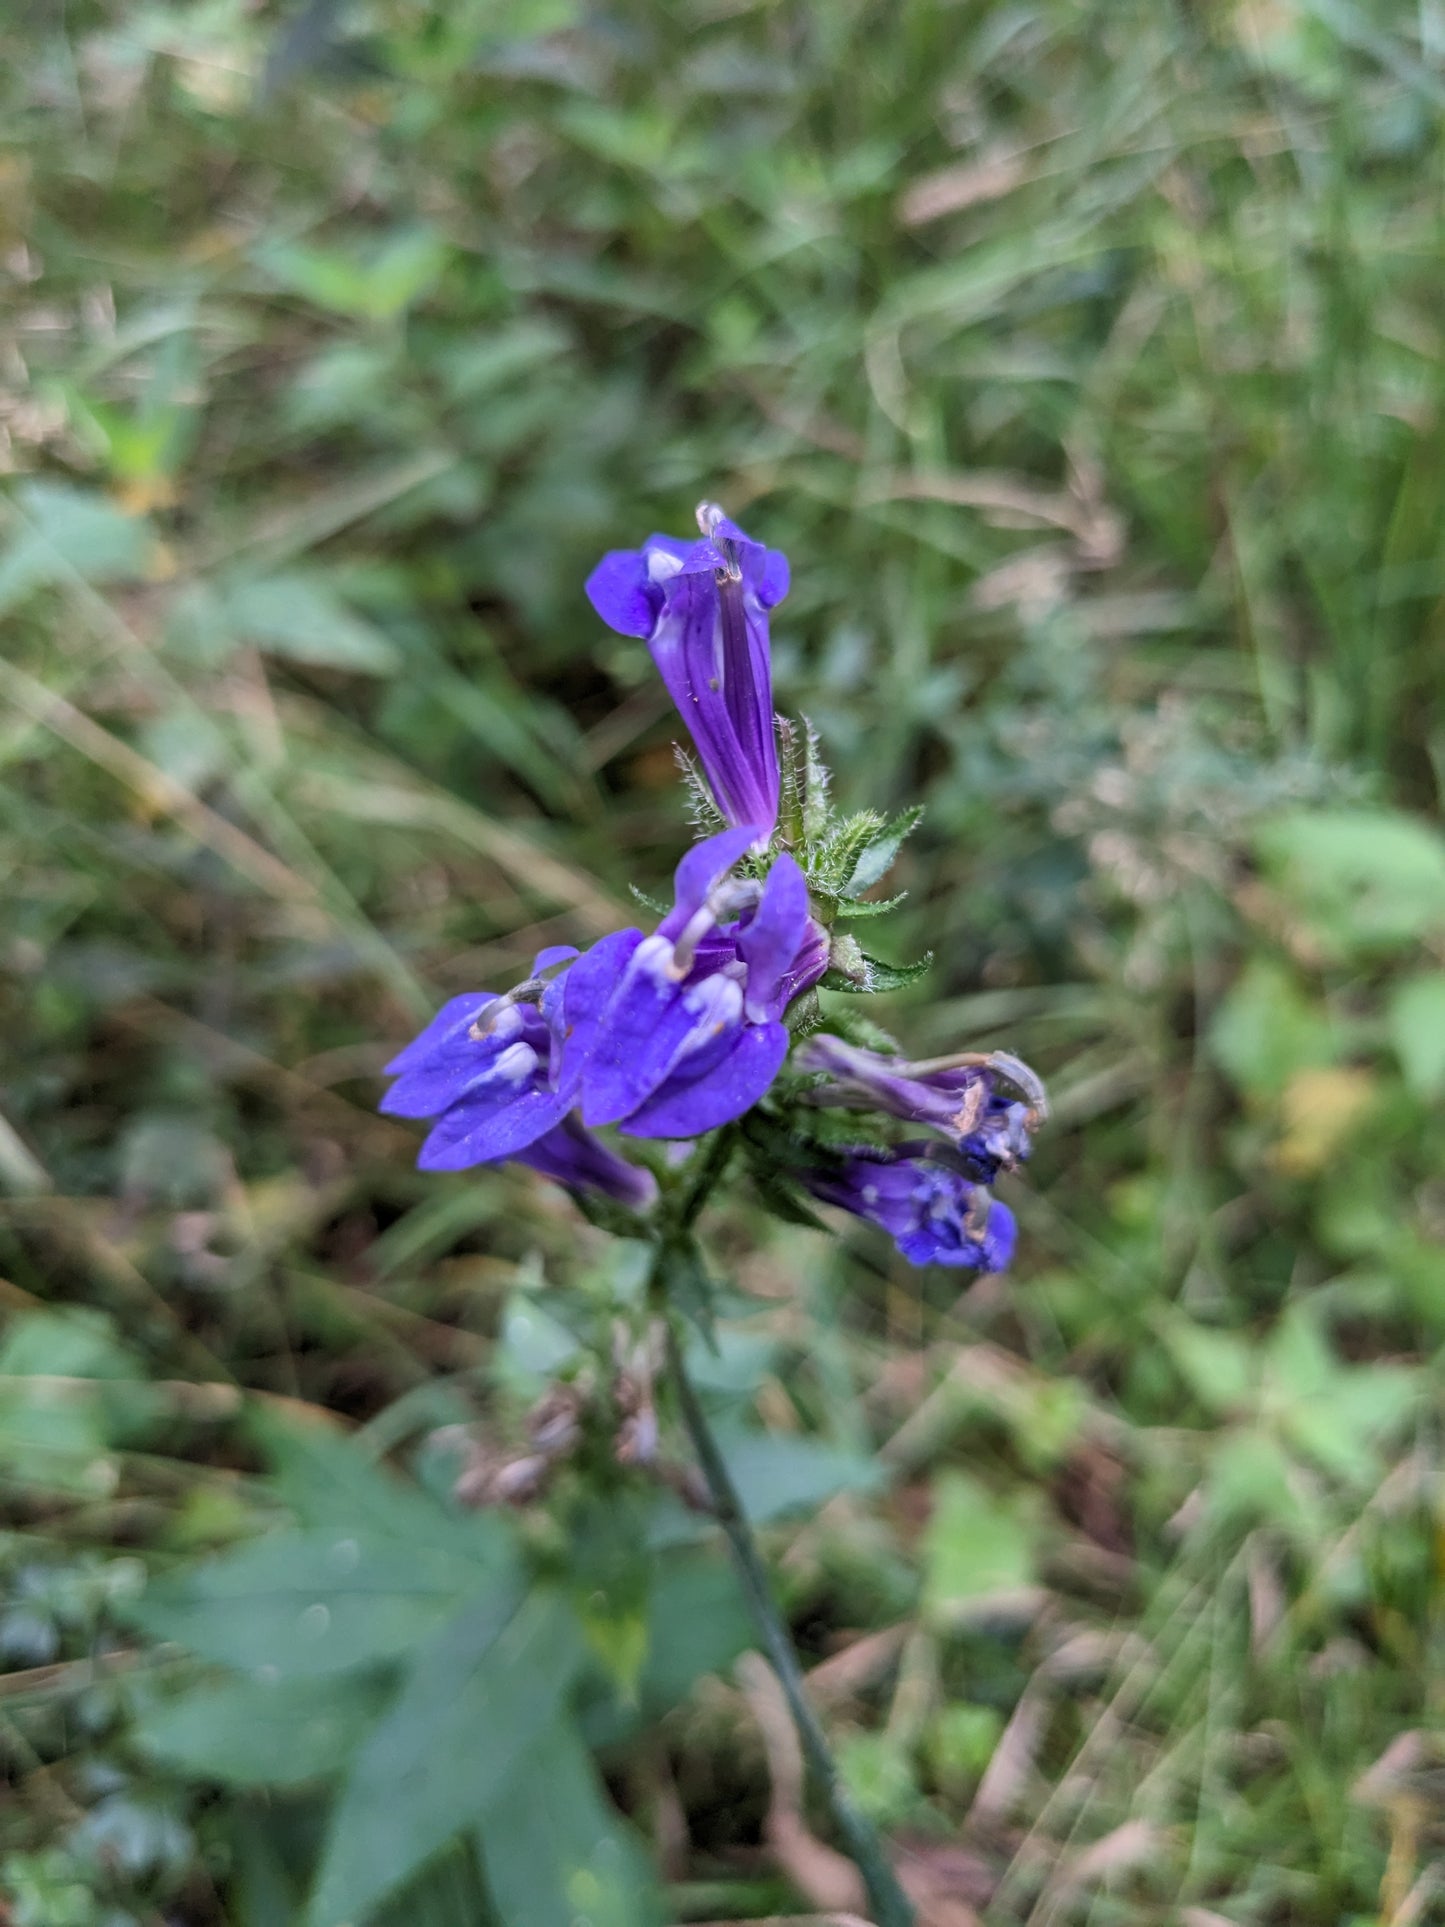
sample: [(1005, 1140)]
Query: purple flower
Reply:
[(674, 1034), (984, 1104), (487, 1068), (702, 608), (933, 1213)]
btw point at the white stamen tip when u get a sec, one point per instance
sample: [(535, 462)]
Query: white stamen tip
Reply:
[(516, 1063)]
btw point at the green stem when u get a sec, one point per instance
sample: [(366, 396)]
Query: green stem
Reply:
[(889, 1903)]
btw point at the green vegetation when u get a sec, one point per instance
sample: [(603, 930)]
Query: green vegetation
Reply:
[(1087, 359)]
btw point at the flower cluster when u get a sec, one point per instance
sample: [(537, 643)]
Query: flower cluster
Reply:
[(673, 1034)]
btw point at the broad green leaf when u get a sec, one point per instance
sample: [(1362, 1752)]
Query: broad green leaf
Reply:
[(776, 1473), (303, 1604), (696, 1624), (56, 1417), (61, 531), (1367, 879), (327, 1481), (454, 1740), (1333, 1412), (535, 1344), (1219, 1366), (555, 1850), (1417, 1031), (261, 1732), (299, 616), (1267, 1029), (372, 285), (977, 1546), (1251, 1476)]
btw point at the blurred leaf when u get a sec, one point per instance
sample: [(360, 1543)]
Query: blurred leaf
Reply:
[(976, 1547), (69, 531), (301, 618), (1266, 1030), (1319, 1109), (327, 1480), (375, 285), (1367, 879), (1417, 1030), (1336, 1413), (1219, 1366), (305, 1604), (878, 1771), (696, 1624), (555, 1850), (455, 1739), (55, 1428), (261, 1731), (777, 1473)]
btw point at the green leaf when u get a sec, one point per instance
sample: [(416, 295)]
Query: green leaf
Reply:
[(452, 1743), (261, 1732), (327, 1481), (1368, 880), (776, 1473), (1217, 1365), (977, 1547), (856, 972), (877, 855), (56, 1418), (1417, 1031), (1266, 1029), (847, 911), (554, 1849), (833, 862), (69, 532), (696, 1624), (304, 1604), (374, 287), (300, 617)]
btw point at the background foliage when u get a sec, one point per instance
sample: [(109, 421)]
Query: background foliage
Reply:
[(1088, 361)]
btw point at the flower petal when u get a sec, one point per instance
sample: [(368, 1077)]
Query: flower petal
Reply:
[(686, 1106), (508, 1066), (489, 1125), (623, 593), (451, 1022), (574, 1004), (701, 871), (650, 1022), (769, 944), (571, 1155)]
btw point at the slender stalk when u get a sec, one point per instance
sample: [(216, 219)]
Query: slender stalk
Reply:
[(887, 1900)]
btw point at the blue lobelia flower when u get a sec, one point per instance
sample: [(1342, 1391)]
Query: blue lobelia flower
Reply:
[(674, 1034), (702, 608), (933, 1213), (985, 1104), (487, 1069)]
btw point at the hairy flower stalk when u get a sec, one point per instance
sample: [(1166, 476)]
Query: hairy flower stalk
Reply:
[(688, 1032)]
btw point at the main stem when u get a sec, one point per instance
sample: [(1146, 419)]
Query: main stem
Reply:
[(890, 1905)]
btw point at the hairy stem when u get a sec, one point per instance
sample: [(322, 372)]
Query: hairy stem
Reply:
[(888, 1902)]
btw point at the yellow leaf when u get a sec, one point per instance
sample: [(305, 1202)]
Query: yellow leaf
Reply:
[(1319, 1109)]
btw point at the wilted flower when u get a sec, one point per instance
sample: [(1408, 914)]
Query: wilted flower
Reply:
[(702, 608), (673, 1034), (984, 1104), (933, 1213)]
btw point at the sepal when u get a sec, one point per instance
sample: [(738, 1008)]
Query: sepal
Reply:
[(853, 970)]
